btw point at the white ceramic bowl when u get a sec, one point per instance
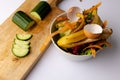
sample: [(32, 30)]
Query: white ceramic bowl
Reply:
[(66, 54)]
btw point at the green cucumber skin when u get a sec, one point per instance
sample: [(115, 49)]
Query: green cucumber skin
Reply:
[(43, 8), (22, 20), (20, 56), (23, 39)]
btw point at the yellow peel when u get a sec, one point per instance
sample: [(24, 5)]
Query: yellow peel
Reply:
[(72, 38)]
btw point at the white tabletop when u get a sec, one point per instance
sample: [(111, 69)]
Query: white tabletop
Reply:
[(54, 66)]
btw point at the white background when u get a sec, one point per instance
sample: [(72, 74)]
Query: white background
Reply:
[(54, 66)]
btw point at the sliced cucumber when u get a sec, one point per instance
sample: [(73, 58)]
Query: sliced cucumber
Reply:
[(16, 41), (41, 10), (19, 52), (24, 37), (21, 46), (23, 20)]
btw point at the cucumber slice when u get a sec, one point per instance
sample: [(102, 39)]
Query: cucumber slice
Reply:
[(23, 20), (19, 52), (41, 10), (23, 37), (23, 46), (20, 42)]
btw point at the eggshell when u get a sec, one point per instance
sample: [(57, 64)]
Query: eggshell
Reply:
[(93, 31), (71, 13)]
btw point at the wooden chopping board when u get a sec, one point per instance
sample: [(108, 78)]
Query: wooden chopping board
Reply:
[(11, 67)]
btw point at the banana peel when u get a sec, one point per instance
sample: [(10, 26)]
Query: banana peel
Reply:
[(105, 35), (72, 38)]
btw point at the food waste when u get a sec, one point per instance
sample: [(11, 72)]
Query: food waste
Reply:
[(75, 38)]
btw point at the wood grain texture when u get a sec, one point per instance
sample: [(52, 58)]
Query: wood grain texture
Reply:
[(11, 67)]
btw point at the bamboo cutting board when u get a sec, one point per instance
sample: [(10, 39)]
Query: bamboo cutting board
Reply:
[(11, 67)]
